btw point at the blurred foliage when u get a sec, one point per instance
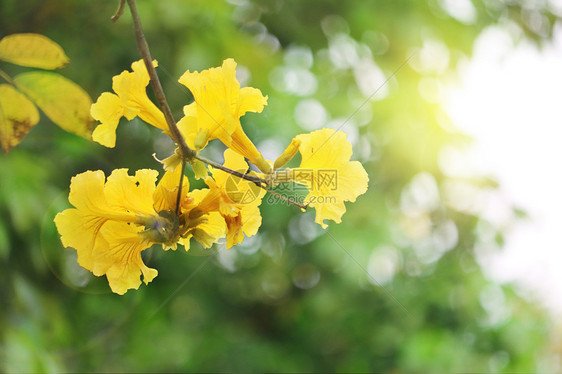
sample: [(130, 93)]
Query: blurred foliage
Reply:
[(395, 287)]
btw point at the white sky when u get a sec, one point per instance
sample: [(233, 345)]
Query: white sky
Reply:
[(509, 99)]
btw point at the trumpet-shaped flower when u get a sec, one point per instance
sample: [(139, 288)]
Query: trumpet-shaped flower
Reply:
[(113, 221), (236, 199), (129, 101), (328, 174), (215, 113)]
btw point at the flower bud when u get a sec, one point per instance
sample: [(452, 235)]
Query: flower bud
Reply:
[(287, 154), (262, 164), (201, 139)]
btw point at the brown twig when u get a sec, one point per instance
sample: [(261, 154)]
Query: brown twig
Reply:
[(186, 152), (260, 182), (257, 180), (119, 11)]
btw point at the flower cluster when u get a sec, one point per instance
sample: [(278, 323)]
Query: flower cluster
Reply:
[(115, 219)]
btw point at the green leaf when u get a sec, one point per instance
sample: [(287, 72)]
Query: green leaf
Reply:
[(17, 116), (200, 169), (34, 50), (62, 100)]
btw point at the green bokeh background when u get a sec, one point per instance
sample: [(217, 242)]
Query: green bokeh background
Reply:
[(394, 288)]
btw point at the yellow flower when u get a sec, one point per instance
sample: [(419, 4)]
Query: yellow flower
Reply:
[(206, 224), (328, 174), (236, 199), (131, 101), (195, 221), (113, 221), (215, 113)]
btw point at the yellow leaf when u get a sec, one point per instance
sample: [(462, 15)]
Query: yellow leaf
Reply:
[(17, 116), (62, 100), (34, 50)]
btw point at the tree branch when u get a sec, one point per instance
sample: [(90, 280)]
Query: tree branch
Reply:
[(186, 152), (260, 182), (257, 180), (119, 11)]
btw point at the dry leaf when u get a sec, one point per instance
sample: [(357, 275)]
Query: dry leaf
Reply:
[(17, 116)]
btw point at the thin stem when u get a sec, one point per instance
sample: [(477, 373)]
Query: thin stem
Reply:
[(178, 199), (260, 182), (119, 11), (257, 180), (186, 152)]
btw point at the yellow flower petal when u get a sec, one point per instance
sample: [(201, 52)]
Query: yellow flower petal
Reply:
[(234, 161), (251, 219), (80, 230), (215, 92), (86, 192), (131, 193), (166, 193), (238, 199), (235, 189), (324, 148), (211, 231), (251, 100), (326, 209), (198, 195), (234, 234), (106, 227), (131, 88), (189, 129), (244, 146), (131, 101), (108, 109), (118, 256), (328, 174), (352, 181), (219, 104), (139, 68), (207, 199), (138, 78), (247, 222)]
